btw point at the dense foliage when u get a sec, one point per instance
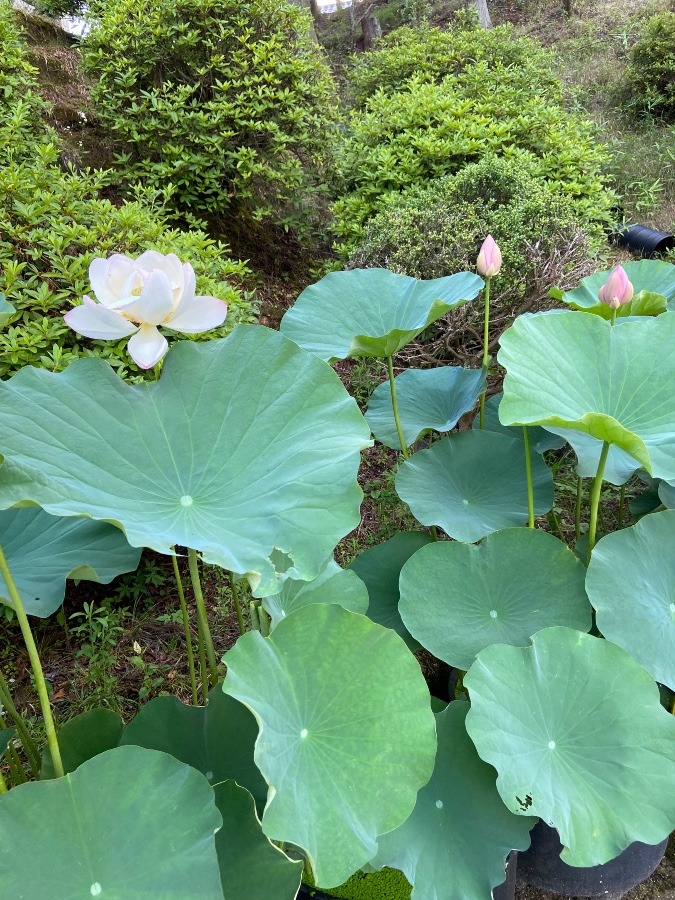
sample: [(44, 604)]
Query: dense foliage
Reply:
[(433, 130), (432, 54), (229, 102), (433, 230), (54, 222), (651, 70)]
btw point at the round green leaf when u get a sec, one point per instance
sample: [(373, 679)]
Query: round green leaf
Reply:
[(473, 482), (457, 599), (379, 568), (6, 311), (540, 439), (87, 735), (576, 731), (127, 823), (614, 383), (43, 551), (371, 312), (653, 283), (247, 449), (347, 735), (631, 584), (455, 843), (332, 585), (667, 494), (216, 739), (250, 866), (427, 399)]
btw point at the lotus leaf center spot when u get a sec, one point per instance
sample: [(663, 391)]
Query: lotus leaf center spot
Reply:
[(209, 776), (672, 608), (95, 889), (186, 500), (439, 804), (493, 613), (465, 502), (551, 745), (303, 733)]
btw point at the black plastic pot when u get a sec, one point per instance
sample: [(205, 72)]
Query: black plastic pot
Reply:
[(505, 891), (541, 867), (644, 241)]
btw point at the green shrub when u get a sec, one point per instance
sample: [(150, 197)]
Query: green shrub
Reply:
[(432, 54), (21, 108), (431, 130), (437, 230), (651, 69), (54, 222), (230, 102)]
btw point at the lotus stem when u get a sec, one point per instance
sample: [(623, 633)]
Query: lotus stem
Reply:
[(34, 657), (202, 616), (3, 784), (253, 612), (237, 604), (577, 508), (186, 628), (595, 499), (486, 339), (201, 653), (265, 621), (614, 311), (528, 473), (16, 769), (434, 532), (622, 503), (29, 746), (394, 406)]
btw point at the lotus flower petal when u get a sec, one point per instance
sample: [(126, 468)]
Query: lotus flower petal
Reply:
[(156, 301), (108, 276), (203, 314), (147, 346), (93, 320), (489, 260), (189, 288), (171, 266)]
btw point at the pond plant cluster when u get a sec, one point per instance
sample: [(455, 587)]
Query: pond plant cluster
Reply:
[(322, 750)]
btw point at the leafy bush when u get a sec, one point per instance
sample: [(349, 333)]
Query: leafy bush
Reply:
[(432, 54), (432, 130), (54, 222), (651, 69), (230, 102), (21, 107), (432, 231)]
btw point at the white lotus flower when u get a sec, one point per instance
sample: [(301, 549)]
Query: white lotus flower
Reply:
[(136, 295)]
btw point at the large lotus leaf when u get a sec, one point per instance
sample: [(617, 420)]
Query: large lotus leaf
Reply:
[(87, 735), (371, 312), (6, 735), (43, 550), (250, 866), (455, 843), (427, 399), (653, 282), (667, 494), (648, 501), (127, 823), (216, 739), (347, 736), (333, 585), (246, 449), (614, 383), (574, 727), (619, 466), (473, 482), (6, 311), (631, 584), (379, 568), (457, 599), (540, 439)]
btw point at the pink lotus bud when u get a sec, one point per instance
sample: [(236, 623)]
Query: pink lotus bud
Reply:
[(489, 260), (617, 290)]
